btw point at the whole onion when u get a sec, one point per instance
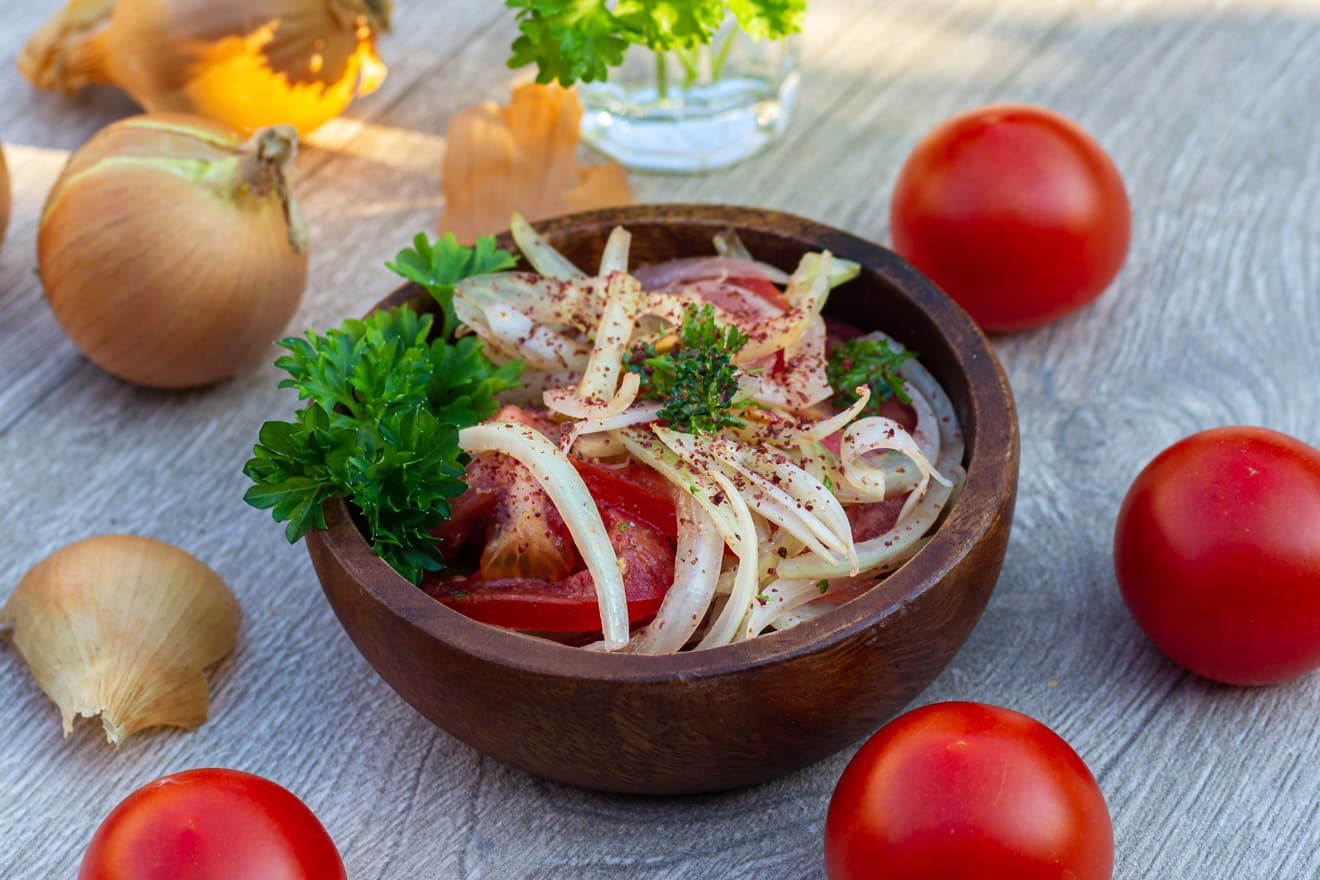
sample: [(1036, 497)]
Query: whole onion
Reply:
[(242, 63), (172, 251)]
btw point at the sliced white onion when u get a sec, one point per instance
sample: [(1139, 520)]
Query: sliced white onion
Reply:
[(561, 481), (777, 489), (917, 379), (807, 291), (779, 598), (544, 258), (600, 378), (729, 244), (696, 571), (802, 381), (837, 422), (887, 550), (551, 301), (720, 498), (873, 482), (637, 414), (615, 256), (604, 445), (802, 613), (656, 276), (566, 401), (599, 393), (538, 345), (842, 271)]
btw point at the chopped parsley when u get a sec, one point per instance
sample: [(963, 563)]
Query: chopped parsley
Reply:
[(870, 362), (696, 379)]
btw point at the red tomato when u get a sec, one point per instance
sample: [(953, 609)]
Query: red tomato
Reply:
[(567, 605), (211, 825), (1217, 554), (1016, 212), (637, 492), (966, 791), (763, 288)]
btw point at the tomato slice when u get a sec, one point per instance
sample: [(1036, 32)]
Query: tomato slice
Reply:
[(635, 491), (567, 604)]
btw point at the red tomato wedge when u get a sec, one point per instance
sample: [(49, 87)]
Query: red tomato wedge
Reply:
[(542, 595), (636, 492), (568, 604)]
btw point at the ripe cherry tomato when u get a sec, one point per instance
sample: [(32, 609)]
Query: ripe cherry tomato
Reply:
[(1217, 554), (966, 791), (1016, 212), (211, 824)]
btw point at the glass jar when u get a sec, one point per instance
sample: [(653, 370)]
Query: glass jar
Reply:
[(698, 109)]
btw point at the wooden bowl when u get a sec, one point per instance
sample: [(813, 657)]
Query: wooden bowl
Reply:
[(743, 713)]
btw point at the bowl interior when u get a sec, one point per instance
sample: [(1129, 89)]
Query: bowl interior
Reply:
[(889, 295)]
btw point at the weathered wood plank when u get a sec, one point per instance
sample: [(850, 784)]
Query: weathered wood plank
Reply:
[(1209, 108)]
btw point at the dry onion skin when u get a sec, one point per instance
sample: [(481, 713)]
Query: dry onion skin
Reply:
[(244, 63), (172, 251), (521, 157), (123, 627)]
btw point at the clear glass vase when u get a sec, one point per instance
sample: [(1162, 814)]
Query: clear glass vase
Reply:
[(698, 109)]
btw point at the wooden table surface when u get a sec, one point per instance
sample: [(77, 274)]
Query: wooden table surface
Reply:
[(1212, 112)]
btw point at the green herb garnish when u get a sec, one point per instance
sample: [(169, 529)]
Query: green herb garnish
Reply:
[(439, 265), (385, 403), (571, 40), (869, 362), (696, 379)]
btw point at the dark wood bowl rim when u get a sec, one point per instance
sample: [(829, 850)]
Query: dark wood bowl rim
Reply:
[(991, 482)]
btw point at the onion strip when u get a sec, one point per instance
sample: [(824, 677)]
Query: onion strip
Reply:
[(713, 490), (615, 256), (779, 490), (544, 258), (696, 571), (779, 598), (807, 290)]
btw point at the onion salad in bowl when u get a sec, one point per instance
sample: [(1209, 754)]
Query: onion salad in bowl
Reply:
[(695, 456)]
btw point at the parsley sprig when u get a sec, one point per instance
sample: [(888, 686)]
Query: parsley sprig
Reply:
[(570, 40), (439, 265), (385, 402), (696, 379), (870, 362)]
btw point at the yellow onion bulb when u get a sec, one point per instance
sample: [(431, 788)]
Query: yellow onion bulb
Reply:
[(172, 251), (246, 64)]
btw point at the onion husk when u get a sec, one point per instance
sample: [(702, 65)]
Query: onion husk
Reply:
[(123, 626), (244, 63), (172, 252)]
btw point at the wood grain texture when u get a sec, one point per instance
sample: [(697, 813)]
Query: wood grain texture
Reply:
[(1209, 109)]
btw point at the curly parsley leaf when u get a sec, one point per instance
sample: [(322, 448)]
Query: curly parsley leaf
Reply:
[(769, 19), (696, 378), (571, 40), (380, 426), (439, 265), (568, 40), (870, 362)]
